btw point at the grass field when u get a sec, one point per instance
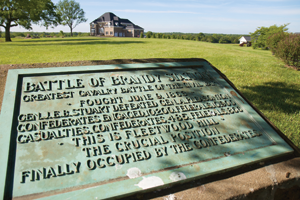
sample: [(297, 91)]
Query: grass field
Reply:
[(262, 78)]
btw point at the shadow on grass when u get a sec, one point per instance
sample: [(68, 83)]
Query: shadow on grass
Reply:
[(274, 96), (79, 41), (61, 40)]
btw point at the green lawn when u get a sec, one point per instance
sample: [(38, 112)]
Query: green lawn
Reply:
[(262, 78)]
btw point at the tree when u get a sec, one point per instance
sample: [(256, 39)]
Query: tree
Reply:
[(61, 33), (42, 34), (225, 39), (142, 35), (235, 39), (26, 12), (149, 34), (212, 38), (216, 38), (204, 39), (201, 35), (187, 37), (259, 37), (70, 14)]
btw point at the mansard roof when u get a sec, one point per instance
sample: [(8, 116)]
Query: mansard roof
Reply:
[(111, 17), (132, 26), (106, 17)]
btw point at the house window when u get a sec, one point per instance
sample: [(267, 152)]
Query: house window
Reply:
[(93, 25), (111, 33), (106, 33), (117, 23), (93, 31)]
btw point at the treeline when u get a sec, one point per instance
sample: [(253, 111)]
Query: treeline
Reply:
[(213, 38), (44, 34)]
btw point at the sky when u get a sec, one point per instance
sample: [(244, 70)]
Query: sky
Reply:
[(191, 16)]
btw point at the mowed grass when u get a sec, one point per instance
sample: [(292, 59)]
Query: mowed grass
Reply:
[(262, 78)]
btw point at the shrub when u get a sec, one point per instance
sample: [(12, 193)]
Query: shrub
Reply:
[(288, 50), (273, 40)]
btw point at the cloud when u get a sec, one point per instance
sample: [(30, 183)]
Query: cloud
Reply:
[(272, 0), (157, 11), (268, 11), (178, 5), (235, 20)]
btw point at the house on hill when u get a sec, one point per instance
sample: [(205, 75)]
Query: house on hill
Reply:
[(111, 25), (245, 40)]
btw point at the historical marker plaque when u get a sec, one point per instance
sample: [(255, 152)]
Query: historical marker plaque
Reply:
[(107, 131)]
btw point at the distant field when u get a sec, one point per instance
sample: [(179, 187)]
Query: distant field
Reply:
[(262, 78)]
